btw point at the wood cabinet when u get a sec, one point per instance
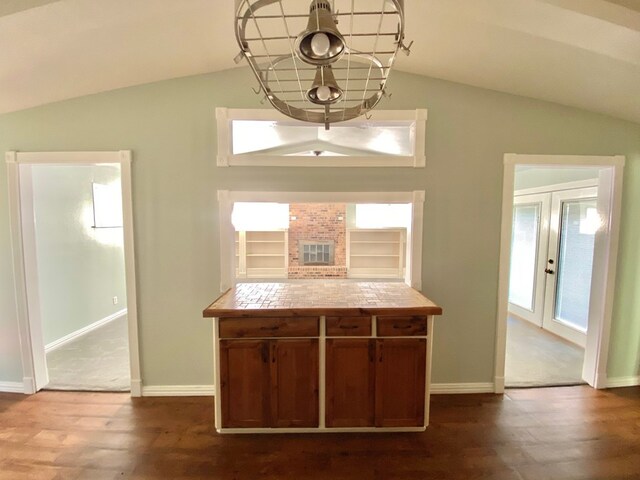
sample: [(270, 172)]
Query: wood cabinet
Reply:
[(400, 382), (269, 383), (244, 383), (294, 383), (322, 357), (350, 382), (376, 382)]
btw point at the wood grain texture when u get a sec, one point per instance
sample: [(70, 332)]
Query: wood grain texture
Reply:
[(401, 326), (244, 383), (261, 327), (400, 382), (294, 383), (348, 326), (573, 433), (350, 391), (330, 298)]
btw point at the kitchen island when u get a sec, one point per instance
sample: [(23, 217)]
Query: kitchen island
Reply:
[(329, 356)]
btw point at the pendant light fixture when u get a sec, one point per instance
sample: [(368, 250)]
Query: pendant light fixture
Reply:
[(327, 63)]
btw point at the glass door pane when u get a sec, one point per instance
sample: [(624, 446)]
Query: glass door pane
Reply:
[(524, 255), (575, 261)]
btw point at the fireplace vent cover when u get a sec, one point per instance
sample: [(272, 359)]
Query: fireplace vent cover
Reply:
[(312, 252)]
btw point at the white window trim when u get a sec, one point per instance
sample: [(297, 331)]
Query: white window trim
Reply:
[(224, 117), (226, 199), (30, 330)]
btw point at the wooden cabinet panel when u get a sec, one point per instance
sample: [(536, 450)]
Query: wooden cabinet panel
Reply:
[(244, 383), (260, 327), (350, 383), (401, 326), (294, 383), (348, 326), (400, 382)]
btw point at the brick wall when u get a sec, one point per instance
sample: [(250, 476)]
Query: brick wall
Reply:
[(318, 221)]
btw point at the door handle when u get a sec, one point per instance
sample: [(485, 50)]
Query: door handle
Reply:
[(549, 271)]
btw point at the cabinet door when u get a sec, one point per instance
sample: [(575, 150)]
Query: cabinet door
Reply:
[(400, 382), (244, 383), (350, 382), (294, 383)]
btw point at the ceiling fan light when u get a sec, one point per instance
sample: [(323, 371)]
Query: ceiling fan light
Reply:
[(323, 93), (321, 43), (325, 89)]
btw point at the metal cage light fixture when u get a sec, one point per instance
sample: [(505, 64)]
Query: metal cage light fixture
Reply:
[(324, 65)]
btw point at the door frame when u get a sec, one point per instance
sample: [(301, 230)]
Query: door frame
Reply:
[(594, 370), (27, 301), (226, 199)]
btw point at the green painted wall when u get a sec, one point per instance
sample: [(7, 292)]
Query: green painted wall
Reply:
[(170, 126), (80, 268)]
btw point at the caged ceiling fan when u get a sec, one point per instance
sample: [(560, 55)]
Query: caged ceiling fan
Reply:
[(325, 63)]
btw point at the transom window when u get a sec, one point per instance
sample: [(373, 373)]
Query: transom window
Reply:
[(391, 138)]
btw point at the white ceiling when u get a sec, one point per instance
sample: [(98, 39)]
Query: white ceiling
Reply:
[(583, 53)]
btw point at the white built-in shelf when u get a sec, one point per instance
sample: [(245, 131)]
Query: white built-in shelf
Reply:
[(263, 254), (376, 253)]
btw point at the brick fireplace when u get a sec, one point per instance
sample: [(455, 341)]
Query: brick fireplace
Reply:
[(317, 224)]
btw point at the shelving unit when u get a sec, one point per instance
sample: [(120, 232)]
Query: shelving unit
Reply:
[(376, 253), (262, 254)]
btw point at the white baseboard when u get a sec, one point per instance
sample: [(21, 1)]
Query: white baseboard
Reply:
[(481, 387), (28, 385), (49, 347), (136, 387), (209, 390), (12, 387), (178, 391), (616, 382)]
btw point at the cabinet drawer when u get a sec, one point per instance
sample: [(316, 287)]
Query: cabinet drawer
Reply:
[(260, 327), (348, 326), (401, 326)]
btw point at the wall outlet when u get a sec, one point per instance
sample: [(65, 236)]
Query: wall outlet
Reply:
[(115, 300)]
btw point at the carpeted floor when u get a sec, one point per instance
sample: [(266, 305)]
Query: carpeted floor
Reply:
[(97, 361), (536, 357)]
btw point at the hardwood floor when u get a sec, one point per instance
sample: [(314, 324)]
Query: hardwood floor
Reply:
[(554, 433)]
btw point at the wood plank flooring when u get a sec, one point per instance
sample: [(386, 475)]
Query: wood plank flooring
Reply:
[(553, 433)]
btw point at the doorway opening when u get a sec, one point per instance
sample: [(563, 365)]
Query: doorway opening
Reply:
[(551, 266), (320, 241), (558, 253), (72, 238)]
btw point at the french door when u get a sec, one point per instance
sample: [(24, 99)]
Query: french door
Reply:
[(529, 242), (552, 259), (574, 222)]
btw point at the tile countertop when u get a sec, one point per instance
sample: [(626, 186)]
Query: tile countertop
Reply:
[(333, 297)]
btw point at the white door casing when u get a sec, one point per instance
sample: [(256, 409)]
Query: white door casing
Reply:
[(27, 301), (609, 205)]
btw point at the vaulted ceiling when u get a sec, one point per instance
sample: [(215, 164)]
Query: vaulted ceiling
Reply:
[(583, 53)]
